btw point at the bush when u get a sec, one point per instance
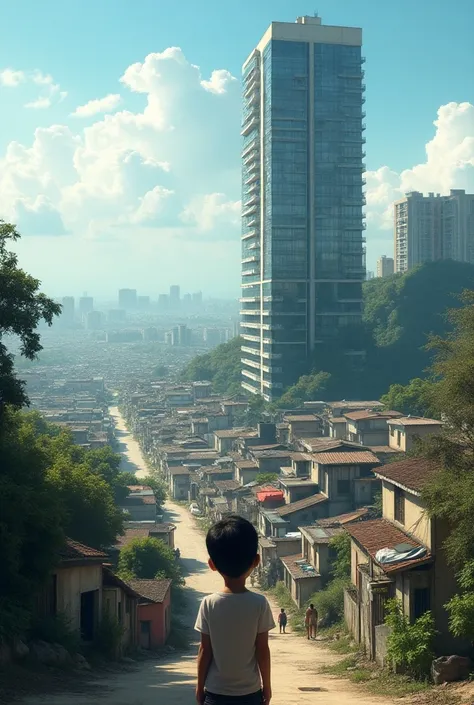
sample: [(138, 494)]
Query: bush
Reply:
[(108, 637), (330, 601), (461, 606), (410, 646), (56, 629)]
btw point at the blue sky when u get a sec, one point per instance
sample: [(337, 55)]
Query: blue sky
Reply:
[(420, 57)]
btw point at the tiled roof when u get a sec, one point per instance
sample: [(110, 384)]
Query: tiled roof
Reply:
[(302, 417), (74, 551), (416, 421), (131, 534), (301, 504), (380, 533), (296, 571), (246, 464), (298, 457), (318, 534), (227, 485), (109, 579), (235, 433), (179, 470), (343, 519), (368, 414), (354, 404), (357, 457), (412, 473), (338, 419), (151, 590)]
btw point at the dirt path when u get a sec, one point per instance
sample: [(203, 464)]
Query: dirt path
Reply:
[(295, 661), (171, 681), (132, 459)]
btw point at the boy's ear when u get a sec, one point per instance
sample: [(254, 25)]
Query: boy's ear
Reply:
[(211, 565), (256, 561)]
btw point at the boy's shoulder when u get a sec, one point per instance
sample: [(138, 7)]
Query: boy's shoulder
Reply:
[(248, 596)]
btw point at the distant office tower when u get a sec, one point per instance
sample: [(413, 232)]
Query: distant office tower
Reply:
[(86, 304), (433, 227), (303, 259), (169, 338), (163, 301), (143, 303), (175, 335), (127, 298), (197, 298), (187, 298), (384, 266), (183, 335), (68, 309), (94, 320), (369, 275), (174, 295), (116, 315)]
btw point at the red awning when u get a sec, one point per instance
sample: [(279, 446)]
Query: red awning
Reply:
[(269, 494)]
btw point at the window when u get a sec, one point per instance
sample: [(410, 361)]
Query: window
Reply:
[(421, 602), (343, 487), (399, 505), (399, 438)]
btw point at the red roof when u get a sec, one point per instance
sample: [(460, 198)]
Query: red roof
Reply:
[(73, 550), (269, 494)]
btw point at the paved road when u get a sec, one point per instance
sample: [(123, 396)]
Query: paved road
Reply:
[(171, 681)]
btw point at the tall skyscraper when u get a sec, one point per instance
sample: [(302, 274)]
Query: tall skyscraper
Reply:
[(127, 298), (303, 259), (433, 227), (384, 266), (68, 309), (174, 295), (86, 304)]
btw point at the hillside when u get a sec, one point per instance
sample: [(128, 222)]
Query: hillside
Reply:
[(221, 366)]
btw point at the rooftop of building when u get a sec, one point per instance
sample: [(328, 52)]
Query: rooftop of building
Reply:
[(411, 474)]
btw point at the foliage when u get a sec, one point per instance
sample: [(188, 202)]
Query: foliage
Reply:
[(147, 558), (412, 398), (31, 531), (308, 388), (341, 544), (158, 486), (22, 307), (108, 636), (56, 629), (410, 646), (266, 478), (461, 606), (256, 409), (221, 366), (330, 601)]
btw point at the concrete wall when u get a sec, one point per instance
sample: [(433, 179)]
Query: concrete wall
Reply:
[(351, 614), (381, 644), (357, 558), (417, 521), (159, 616), (71, 582)]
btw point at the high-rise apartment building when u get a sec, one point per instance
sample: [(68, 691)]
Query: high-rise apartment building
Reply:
[(385, 266), (127, 298), (68, 309), (175, 295), (303, 259), (86, 304), (433, 227)]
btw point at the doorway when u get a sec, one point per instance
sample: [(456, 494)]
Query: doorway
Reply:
[(145, 635), (88, 612)]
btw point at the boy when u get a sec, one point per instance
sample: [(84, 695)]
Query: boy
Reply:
[(282, 620), (234, 657), (311, 621)]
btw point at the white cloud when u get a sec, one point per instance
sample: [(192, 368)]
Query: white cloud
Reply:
[(449, 164), (107, 104), (213, 212), (219, 82), (11, 78)]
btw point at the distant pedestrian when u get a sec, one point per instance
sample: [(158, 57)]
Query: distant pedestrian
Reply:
[(282, 621), (311, 621)]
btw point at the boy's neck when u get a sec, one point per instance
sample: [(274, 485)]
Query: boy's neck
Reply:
[(234, 585)]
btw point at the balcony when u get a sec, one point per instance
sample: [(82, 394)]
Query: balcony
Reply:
[(252, 178), (250, 363), (253, 258), (250, 351), (246, 324), (250, 272), (251, 338), (249, 299), (249, 312), (251, 375), (250, 210), (251, 158), (249, 388), (251, 122), (252, 233), (253, 144)]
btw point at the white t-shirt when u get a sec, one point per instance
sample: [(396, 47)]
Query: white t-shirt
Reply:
[(233, 621)]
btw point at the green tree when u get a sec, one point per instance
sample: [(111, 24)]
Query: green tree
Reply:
[(461, 606), (257, 407), (31, 520), (341, 545), (412, 398), (410, 646), (266, 478), (158, 486), (148, 558), (22, 307), (308, 388), (221, 366)]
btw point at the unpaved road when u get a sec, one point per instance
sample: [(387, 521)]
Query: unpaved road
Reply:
[(132, 459), (295, 661)]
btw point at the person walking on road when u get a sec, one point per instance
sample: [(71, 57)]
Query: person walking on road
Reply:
[(311, 621), (282, 621)]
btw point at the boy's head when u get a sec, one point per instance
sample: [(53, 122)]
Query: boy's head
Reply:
[(282, 609), (311, 606), (232, 545)]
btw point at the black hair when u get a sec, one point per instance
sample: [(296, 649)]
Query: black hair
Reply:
[(232, 544), (312, 606), (282, 609)]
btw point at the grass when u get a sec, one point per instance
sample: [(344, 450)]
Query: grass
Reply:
[(376, 680)]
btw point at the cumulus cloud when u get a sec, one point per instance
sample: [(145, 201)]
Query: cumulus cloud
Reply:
[(449, 164), (39, 217), (11, 78), (107, 104), (213, 212)]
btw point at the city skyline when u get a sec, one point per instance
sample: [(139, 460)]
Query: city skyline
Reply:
[(126, 168)]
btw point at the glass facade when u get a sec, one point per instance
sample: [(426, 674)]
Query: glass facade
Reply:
[(302, 205)]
